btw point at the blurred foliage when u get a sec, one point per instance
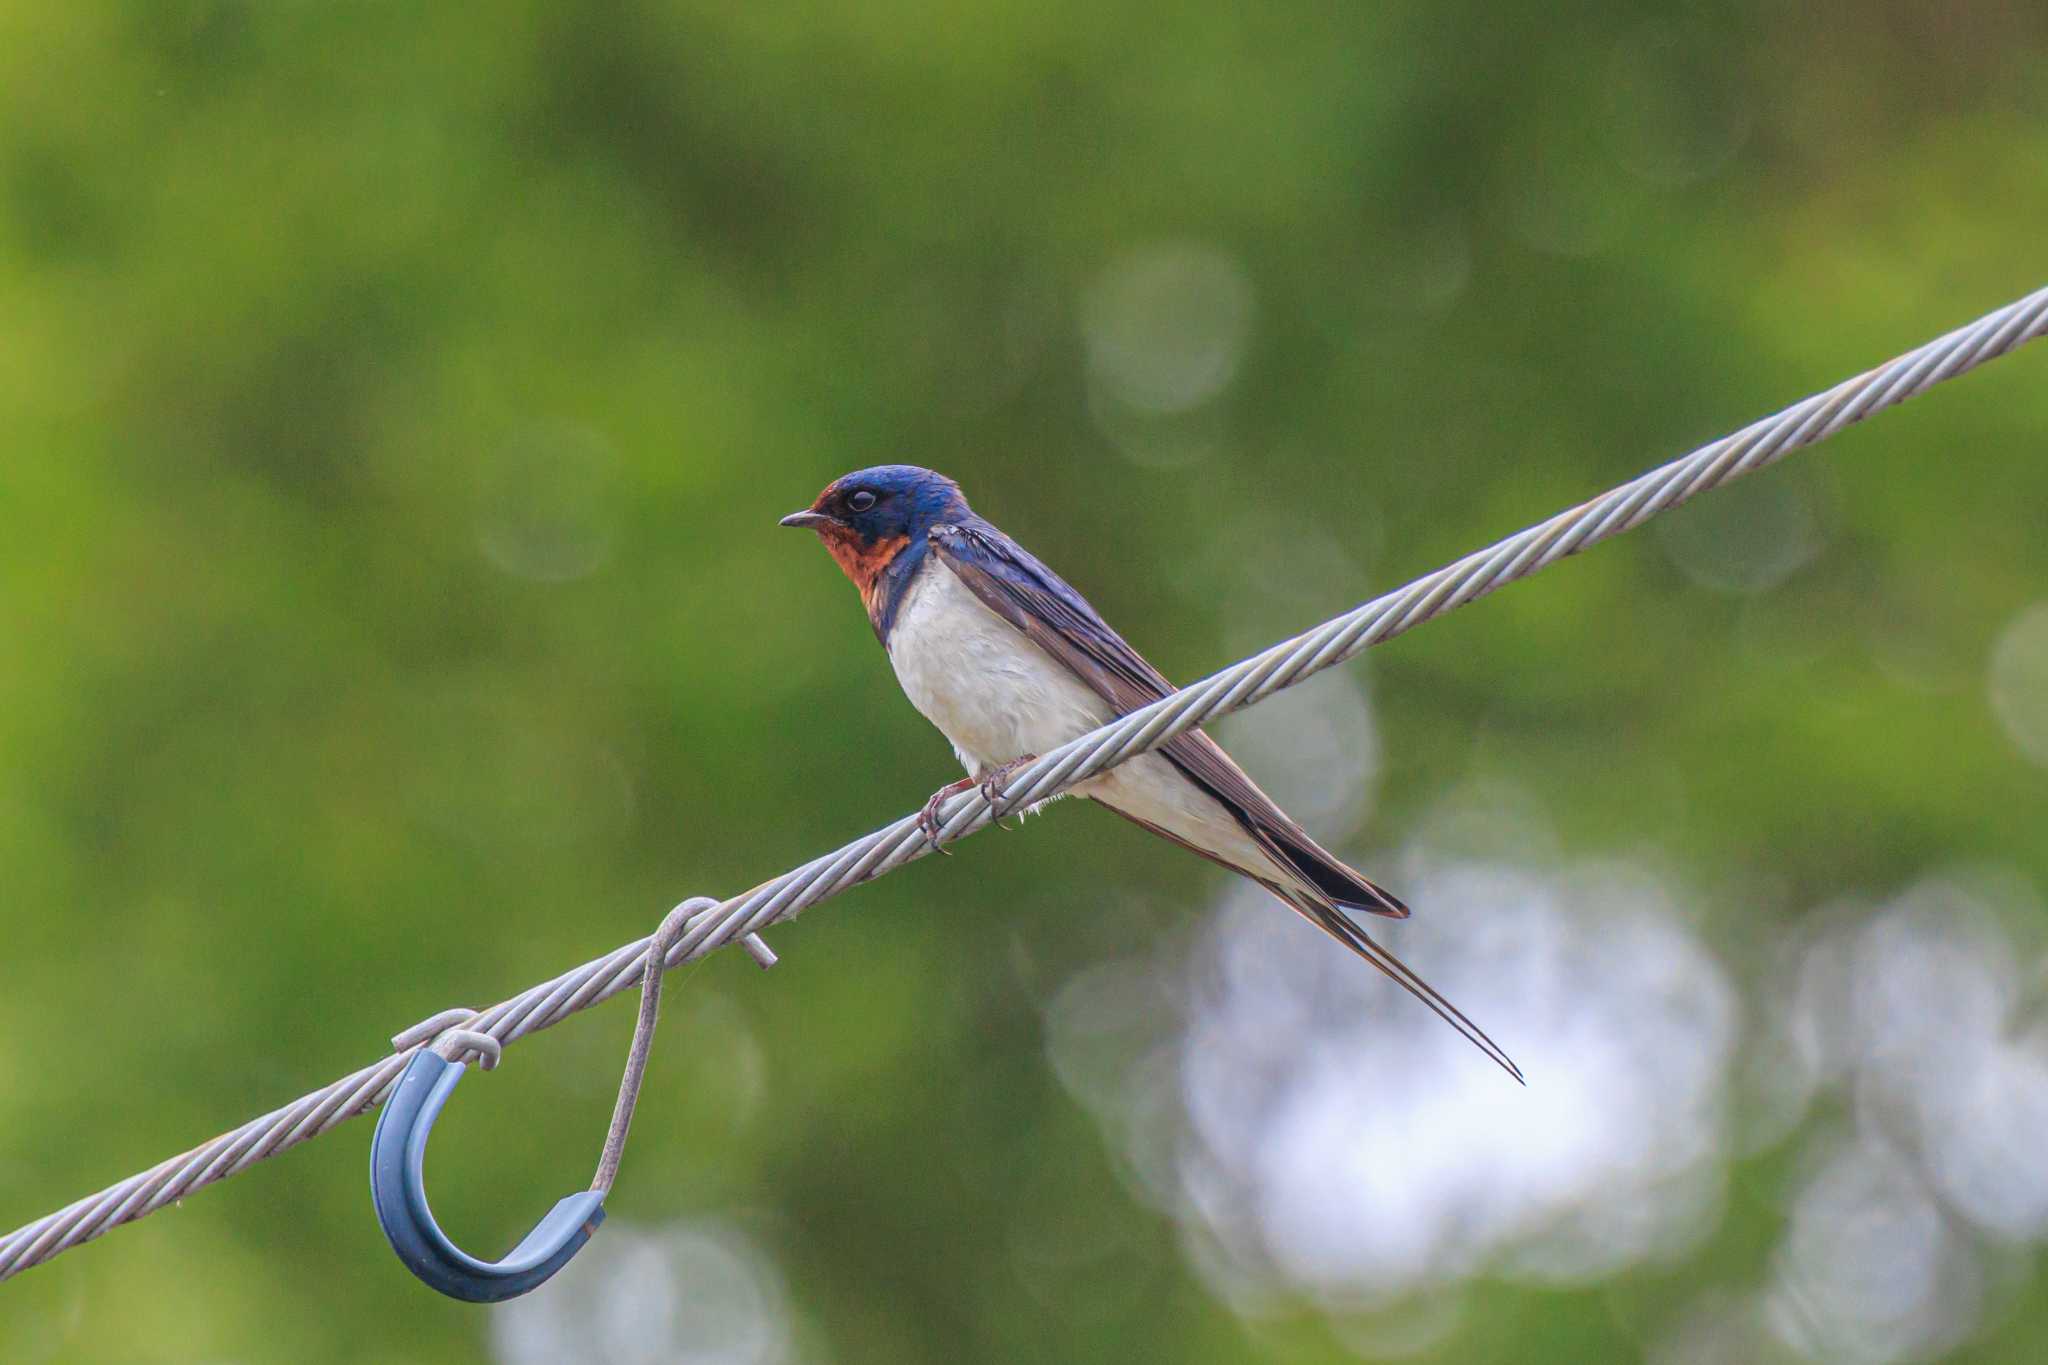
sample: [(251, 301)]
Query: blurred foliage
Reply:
[(399, 403)]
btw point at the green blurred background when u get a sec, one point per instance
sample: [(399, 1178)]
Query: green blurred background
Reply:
[(399, 400)]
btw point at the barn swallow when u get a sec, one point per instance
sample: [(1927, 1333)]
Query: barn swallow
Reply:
[(1009, 662)]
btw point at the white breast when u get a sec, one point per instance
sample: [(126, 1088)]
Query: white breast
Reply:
[(996, 696), (992, 693)]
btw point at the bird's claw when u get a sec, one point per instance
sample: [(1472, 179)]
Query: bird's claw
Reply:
[(928, 818), (991, 788), (992, 785)]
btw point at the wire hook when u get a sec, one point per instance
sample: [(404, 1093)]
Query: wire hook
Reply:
[(398, 1150)]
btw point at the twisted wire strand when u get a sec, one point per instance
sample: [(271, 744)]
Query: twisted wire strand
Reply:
[(1243, 684)]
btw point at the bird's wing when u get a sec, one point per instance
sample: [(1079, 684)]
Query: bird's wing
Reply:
[(1011, 581)]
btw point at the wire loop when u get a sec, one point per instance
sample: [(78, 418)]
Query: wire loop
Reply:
[(398, 1149)]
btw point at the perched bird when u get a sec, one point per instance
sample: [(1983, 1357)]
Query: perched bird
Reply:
[(1009, 662)]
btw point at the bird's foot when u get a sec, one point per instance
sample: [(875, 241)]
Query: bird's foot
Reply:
[(992, 785), (928, 818)]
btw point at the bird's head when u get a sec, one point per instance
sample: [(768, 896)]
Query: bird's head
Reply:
[(869, 516)]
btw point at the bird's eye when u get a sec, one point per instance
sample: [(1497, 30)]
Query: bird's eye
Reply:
[(861, 501)]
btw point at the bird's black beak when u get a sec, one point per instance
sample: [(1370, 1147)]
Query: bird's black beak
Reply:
[(807, 517)]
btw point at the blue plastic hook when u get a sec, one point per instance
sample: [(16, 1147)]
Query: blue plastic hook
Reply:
[(398, 1186), (398, 1151)]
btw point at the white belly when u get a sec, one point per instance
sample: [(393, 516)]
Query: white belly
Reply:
[(996, 696)]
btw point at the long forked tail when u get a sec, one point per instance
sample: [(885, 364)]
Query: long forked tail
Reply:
[(1334, 922)]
